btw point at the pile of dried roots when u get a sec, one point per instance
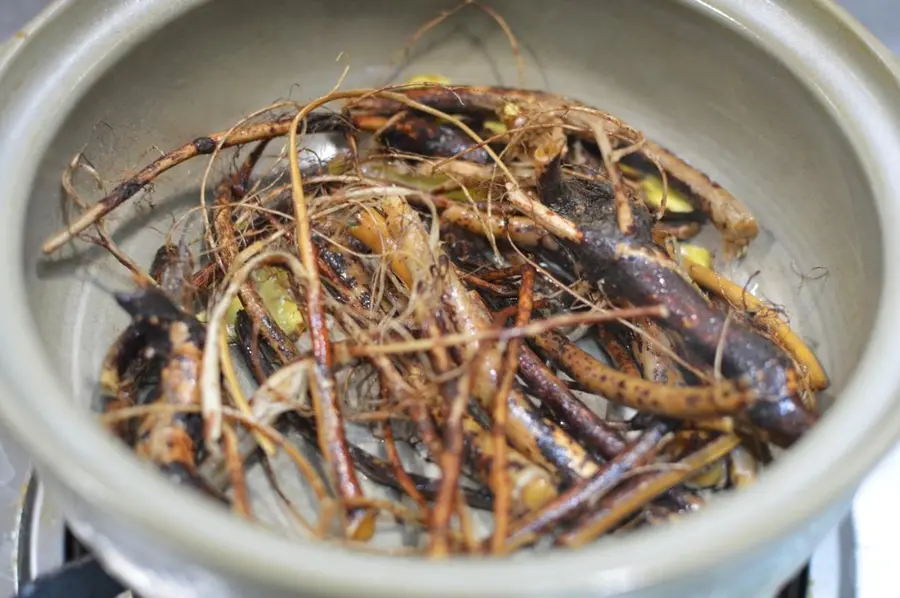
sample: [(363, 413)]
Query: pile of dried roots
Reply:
[(495, 283)]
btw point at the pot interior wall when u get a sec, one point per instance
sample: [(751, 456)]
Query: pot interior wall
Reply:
[(719, 102)]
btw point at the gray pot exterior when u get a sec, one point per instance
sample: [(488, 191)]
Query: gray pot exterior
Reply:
[(155, 567)]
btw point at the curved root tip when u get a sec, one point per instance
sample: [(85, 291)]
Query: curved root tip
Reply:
[(147, 303), (784, 418), (182, 475), (361, 526), (212, 428)]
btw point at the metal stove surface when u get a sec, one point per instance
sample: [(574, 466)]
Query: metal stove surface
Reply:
[(857, 560)]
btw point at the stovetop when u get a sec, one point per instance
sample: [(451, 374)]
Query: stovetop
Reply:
[(856, 560)]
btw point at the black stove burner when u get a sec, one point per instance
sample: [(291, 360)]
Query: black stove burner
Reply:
[(72, 548), (81, 578), (797, 587)]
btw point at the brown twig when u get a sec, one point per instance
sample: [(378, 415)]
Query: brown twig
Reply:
[(553, 222), (503, 273), (535, 328), (721, 399), (619, 356), (583, 495), (409, 487), (234, 464), (646, 490), (103, 239), (502, 315), (332, 439), (450, 463), (585, 425), (624, 215), (500, 479), (484, 285), (200, 146)]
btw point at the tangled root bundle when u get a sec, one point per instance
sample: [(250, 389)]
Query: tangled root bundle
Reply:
[(496, 284)]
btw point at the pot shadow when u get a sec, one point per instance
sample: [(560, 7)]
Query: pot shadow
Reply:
[(83, 257), (477, 42)]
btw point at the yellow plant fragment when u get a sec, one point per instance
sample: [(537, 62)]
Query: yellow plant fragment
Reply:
[(697, 254), (495, 126), (271, 284), (428, 80), (675, 201)]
